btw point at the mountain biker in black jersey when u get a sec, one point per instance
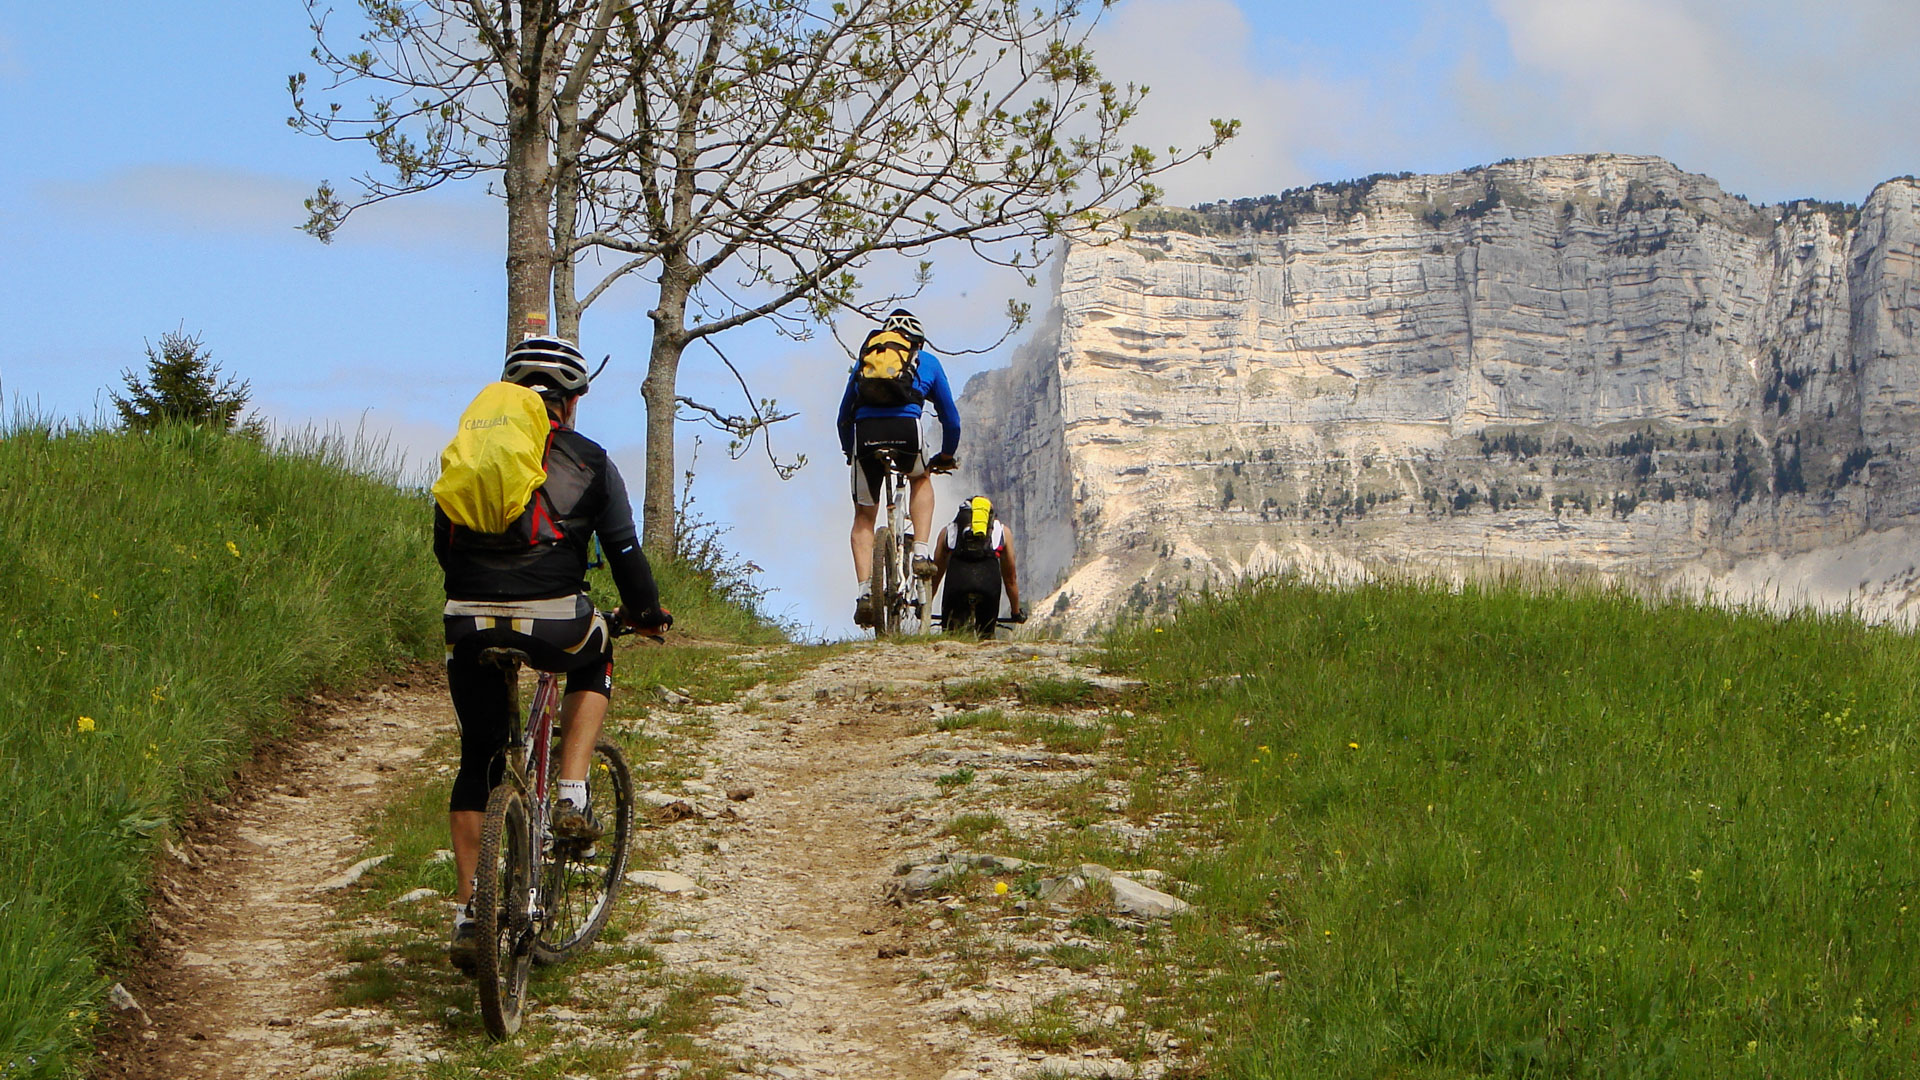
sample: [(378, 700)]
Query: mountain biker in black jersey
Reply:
[(866, 428), (533, 597), (974, 559)]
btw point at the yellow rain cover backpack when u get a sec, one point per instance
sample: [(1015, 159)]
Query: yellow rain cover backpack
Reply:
[(496, 461)]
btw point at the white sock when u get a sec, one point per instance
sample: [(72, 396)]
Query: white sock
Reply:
[(462, 914), (866, 589), (574, 792), (920, 550)]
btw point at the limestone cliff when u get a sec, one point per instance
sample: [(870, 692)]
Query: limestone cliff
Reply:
[(1595, 362)]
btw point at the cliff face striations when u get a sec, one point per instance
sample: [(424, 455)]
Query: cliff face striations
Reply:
[(1584, 362)]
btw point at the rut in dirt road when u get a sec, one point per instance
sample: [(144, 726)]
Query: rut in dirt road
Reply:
[(236, 960)]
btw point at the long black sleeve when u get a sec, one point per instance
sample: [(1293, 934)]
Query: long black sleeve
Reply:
[(632, 573)]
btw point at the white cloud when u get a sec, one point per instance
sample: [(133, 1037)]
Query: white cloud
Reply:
[(1193, 55), (1772, 94), (202, 199)]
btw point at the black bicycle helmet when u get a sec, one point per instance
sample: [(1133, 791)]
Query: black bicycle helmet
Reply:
[(547, 364)]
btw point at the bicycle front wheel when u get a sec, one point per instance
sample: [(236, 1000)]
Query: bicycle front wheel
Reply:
[(501, 891), (580, 880), (882, 582)]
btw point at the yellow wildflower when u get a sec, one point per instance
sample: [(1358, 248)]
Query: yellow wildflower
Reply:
[(1353, 746), (85, 723), (999, 888), (233, 549)]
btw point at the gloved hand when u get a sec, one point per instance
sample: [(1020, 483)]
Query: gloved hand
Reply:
[(942, 463), (1019, 615), (651, 623)]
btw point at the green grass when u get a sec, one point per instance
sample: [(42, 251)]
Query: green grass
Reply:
[(166, 594), (1501, 832)]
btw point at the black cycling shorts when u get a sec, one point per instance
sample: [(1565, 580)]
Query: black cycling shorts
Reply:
[(581, 646), (901, 434), (970, 596)]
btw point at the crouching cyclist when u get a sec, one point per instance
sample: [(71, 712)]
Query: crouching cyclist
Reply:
[(526, 589), (974, 559)]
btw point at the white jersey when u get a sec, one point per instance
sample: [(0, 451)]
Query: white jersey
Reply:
[(996, 537)]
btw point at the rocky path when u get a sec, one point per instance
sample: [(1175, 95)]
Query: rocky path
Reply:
[(767, 932), (234, 961)]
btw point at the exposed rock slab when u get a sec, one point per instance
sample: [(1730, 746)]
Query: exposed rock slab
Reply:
[(1589, 361)]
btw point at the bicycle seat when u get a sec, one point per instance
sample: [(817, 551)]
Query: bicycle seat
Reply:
[(505, 657)]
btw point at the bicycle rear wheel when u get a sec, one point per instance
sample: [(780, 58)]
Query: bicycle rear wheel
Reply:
[(882, 583), (500, 897), (580, 882)]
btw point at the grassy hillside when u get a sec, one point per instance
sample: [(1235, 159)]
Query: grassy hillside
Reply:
[(165, 594), (1498, 832)]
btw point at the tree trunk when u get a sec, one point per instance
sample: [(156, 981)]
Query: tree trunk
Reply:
[(528, 179), (566, 210), (659, 527)]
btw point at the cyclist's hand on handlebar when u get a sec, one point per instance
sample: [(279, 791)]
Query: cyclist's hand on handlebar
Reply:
[(942, 463), (651, 624)]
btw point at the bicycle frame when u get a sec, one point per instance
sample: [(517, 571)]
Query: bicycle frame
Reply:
[(899, 596), (531, 769)]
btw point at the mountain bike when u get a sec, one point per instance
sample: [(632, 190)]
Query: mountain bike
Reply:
[(537, 898), (899, 595)]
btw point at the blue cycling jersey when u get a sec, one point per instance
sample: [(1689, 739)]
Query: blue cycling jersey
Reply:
[(930, 380)]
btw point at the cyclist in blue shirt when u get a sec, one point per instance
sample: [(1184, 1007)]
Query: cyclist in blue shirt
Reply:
[(864, 428)]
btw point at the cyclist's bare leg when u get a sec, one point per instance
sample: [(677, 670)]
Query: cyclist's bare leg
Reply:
[(581, 717), (863, 519), (920, 506), (465, 826)]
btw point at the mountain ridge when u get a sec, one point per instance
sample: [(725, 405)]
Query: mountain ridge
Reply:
[(1593, 362)]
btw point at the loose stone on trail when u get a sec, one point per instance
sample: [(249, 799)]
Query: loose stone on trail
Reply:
[(353, 875), (665, 881)]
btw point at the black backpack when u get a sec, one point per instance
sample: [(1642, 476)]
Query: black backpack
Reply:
[(887, 371), (973, 533)]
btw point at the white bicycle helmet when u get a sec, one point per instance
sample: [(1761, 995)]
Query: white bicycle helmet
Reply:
[(549, 362), (902, 320)]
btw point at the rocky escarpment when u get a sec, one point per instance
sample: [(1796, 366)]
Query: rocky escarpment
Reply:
[(1595, 362)]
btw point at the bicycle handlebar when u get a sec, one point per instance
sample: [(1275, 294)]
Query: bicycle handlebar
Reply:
[(1018, 619), (619, 627)]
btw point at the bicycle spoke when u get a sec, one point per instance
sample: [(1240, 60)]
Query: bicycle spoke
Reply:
[(580, 881)]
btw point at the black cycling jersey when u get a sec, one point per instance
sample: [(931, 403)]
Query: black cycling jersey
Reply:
[(588, 498)]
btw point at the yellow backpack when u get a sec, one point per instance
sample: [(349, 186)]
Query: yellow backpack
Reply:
[(888, 371), (497, 459)]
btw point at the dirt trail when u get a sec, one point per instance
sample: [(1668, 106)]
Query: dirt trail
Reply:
[(811, 969), (236, 960)]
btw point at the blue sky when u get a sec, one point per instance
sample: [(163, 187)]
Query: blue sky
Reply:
[(151, 183)]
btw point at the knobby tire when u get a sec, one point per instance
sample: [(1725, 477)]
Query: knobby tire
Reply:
[(881, 584), (500, 909), (581, 886)]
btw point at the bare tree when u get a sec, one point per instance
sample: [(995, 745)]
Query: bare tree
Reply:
[(749, 158), (456, 89), (778, 146)]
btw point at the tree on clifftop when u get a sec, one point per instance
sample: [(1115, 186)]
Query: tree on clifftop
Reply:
[(749, 158)]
